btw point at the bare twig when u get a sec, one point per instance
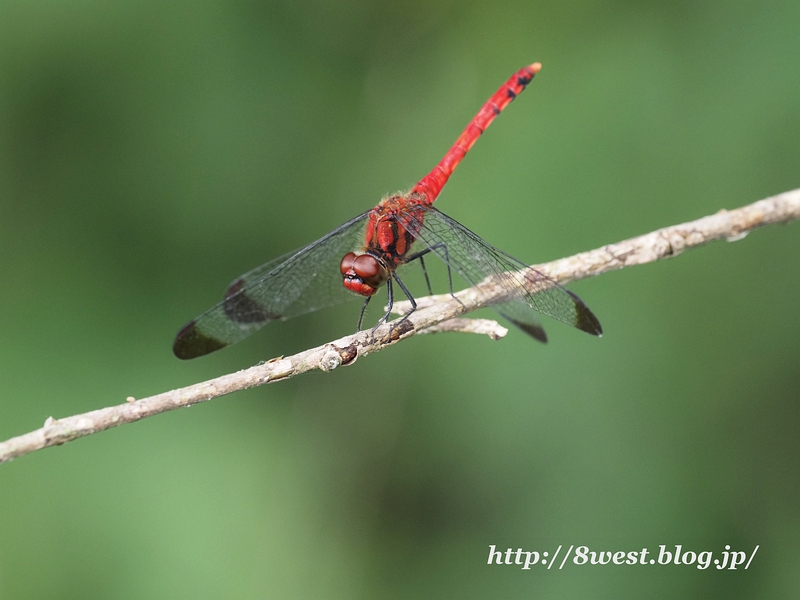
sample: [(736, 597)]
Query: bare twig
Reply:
[(436, 313), (480, 326)]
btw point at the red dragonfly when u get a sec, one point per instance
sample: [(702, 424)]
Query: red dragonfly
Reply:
[(375, 246)]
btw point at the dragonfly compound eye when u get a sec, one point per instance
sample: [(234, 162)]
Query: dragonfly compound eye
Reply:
[(347, 263), (370, 270)]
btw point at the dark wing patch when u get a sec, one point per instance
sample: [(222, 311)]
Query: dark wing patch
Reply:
[(586, 320), (242, 308), (191, 343)]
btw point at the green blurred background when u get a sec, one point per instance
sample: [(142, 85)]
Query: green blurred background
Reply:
[(150, 152)]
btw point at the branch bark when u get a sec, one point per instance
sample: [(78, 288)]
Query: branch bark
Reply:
[(435, 314)]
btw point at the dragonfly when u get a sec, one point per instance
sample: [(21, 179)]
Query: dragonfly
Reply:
[(371, 250)]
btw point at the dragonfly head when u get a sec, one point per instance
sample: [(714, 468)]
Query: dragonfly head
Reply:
[(363, 273)]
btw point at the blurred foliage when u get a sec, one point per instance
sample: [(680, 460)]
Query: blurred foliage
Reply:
[(151, 152)]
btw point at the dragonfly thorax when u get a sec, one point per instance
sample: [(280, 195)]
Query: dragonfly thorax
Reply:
[(393, 226), (363, 273)]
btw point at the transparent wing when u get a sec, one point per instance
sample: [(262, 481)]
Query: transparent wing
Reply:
[(291, 285), (475, 259)]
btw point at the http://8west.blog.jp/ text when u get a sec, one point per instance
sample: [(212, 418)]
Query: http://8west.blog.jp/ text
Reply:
[(584, 556)]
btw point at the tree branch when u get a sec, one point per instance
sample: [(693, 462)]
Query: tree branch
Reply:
[(435, 313)]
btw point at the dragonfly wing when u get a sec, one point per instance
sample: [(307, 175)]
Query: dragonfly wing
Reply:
[(291, 285), (520, 314), (475, 259)]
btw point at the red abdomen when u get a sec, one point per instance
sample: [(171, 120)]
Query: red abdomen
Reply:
[(429, 186)]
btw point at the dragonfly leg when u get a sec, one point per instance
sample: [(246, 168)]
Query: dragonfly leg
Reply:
[(390, 304), (425, 272), (390, 290), (410, 299), (418, 255), (363, 310)]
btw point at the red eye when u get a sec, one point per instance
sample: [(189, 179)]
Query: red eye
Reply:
[(347, 262), (370, 270), (366, 266)]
